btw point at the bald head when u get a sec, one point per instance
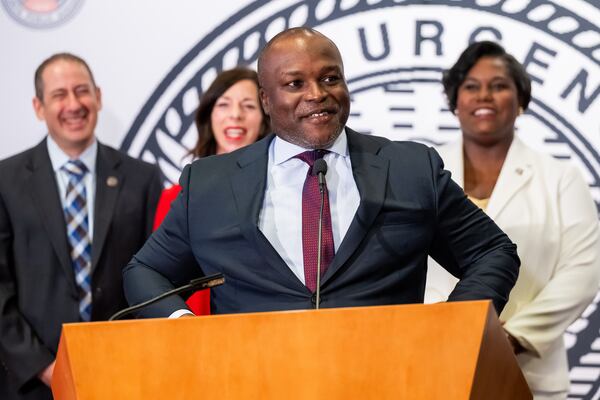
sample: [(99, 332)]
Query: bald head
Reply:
[(284, 38), (303, 89)]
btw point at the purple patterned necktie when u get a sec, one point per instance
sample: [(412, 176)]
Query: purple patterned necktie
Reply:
[(311, 204)]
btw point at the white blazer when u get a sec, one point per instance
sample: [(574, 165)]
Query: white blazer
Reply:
[(545, 207)]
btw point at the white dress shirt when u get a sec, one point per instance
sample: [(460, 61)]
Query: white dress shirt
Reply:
[(58, 158), (280, 218)]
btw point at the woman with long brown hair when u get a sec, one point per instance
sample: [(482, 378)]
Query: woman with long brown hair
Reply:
[(228, 118)]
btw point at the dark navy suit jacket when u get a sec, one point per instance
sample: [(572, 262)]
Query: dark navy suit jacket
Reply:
[(409, 209)]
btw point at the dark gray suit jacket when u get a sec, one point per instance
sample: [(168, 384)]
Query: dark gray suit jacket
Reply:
[(409, 209), (37, 285)]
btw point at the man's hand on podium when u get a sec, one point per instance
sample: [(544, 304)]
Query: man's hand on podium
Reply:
[(46, 374)]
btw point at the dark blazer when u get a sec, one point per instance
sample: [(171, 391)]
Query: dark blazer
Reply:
[(409, 208), (37, 285)]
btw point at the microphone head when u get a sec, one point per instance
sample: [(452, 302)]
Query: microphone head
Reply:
[(319, 167)]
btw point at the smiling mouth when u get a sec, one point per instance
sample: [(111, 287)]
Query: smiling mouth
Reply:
[(320, 115), (483, 112), (234, 132), (75, 120)]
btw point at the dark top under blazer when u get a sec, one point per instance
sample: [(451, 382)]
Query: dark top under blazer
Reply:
[(37, 285), (409, 209)]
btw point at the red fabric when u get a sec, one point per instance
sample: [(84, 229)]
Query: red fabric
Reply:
[(164, 204), (198, 302), (311, 205)]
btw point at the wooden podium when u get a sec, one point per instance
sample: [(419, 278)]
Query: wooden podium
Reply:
[(437, 351)]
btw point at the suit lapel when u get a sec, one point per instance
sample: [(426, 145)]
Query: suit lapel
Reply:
[(452, 155), (44, 192), (248, 185), (514, 175), (370, 174), (109, 181)]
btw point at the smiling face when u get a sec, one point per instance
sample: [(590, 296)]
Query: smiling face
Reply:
[(487, 103), (236, 117), (69, 105), (304, 90)]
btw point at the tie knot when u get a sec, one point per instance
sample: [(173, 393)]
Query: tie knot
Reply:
[(311, 156), (75, 167)]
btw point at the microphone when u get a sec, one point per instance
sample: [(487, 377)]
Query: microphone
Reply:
[(195, 284), (320, 169)]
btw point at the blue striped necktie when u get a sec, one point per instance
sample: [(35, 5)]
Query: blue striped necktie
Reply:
[(80, 245)]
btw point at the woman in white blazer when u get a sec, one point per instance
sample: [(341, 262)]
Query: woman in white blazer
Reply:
[(543, 204)]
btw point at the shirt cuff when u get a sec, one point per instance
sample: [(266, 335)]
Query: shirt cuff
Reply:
[(181, 312)]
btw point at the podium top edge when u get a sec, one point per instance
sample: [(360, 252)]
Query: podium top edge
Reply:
[(483, 304)]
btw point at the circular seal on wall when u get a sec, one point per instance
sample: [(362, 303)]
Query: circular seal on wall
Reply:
[(41, 14), (394, 53)]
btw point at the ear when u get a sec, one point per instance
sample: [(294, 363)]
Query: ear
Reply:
[(39, 109), (98, 97), (264, 100)]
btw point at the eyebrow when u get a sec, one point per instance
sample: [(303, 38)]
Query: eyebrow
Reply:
[(496, 77), (63, 89), (243, 98), (292, 73), (57, 90), (326, 68)]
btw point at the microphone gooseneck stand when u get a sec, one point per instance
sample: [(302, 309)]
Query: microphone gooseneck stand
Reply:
[(195, 284), (320, 169)]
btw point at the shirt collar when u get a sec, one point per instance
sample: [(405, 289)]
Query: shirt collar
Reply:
[(58, 157), (283, 150)]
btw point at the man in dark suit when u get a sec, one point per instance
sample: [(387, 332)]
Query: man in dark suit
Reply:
[(389, 206), (42, 285)]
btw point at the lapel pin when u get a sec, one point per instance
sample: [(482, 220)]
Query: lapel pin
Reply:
[(112, 181), (519, 171)]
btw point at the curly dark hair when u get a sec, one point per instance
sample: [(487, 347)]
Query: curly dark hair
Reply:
[(455, 76), (206, 144)]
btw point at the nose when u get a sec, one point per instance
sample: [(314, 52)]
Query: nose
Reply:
[(235, 112), (73, 102), (316, 92), (485, 93)]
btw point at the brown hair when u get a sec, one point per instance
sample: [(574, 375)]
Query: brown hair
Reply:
[(38, 82), (207, 145)]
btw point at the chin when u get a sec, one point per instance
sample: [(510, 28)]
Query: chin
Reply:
[(232, 147), (323, 140), (80, 137)]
